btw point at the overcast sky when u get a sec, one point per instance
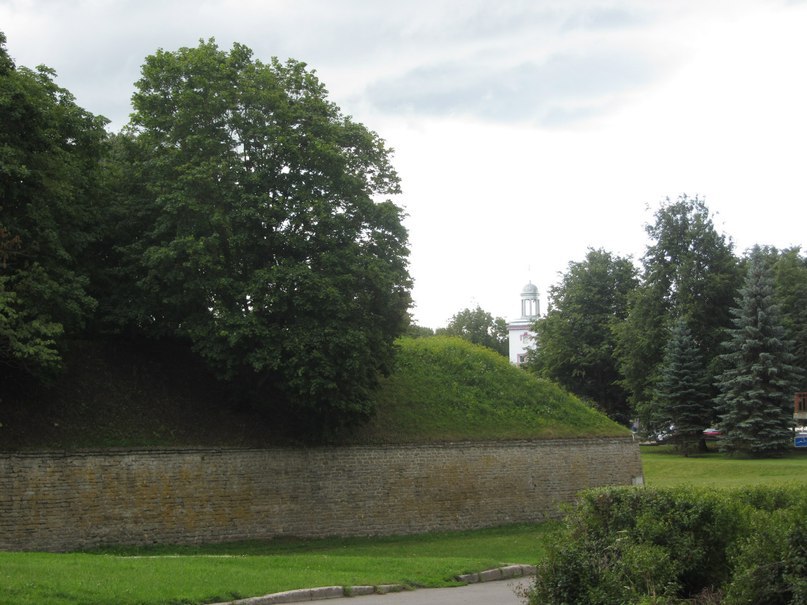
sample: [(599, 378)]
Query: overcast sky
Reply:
[(525, 131)]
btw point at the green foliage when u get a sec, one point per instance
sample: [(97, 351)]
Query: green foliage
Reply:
[(258, 236), (682, 391), (639, 346), (116, 273), (415, 331), (576, 336), (772, 562), (623, 545), (758, 382), (49, 154), (689, 270), (123, 393), (479, 327), (790, 277), (627, 545), (694, 268), (445, 388)]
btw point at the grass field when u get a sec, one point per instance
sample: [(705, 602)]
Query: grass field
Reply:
[(174, 575), (663, 467), (222, 572)]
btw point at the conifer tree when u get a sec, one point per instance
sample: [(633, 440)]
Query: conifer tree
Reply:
[(758, 382), (682, 392)]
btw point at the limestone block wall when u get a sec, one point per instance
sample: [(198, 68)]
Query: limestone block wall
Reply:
[(61, 501)]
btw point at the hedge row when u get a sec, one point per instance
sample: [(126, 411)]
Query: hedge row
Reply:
[(679, 545)]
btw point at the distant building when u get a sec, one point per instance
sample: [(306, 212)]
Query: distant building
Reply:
[(800, 411), (521, 335)]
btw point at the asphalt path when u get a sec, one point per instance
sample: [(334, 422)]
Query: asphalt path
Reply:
[(501, 592)]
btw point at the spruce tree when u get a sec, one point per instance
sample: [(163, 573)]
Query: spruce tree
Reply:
[(757, 385), (682, 391)]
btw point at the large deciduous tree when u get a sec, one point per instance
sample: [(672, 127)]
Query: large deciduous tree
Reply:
[(690, 271), (264, 243), (576, 340), (479, 327), (49, 154), (758, 380)]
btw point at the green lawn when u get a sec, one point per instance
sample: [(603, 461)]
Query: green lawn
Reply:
[(665, 468), (221, 572)]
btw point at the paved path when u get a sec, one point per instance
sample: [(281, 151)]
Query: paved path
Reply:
[(501, 592)]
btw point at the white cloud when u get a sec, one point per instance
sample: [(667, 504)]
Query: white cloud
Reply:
[(526, 131), (560, 89)]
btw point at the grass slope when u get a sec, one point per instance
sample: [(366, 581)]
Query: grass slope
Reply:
[(116, 394), (447, 389), (124, 394)]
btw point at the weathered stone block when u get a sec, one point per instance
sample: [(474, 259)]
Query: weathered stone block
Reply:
[(61, 501)]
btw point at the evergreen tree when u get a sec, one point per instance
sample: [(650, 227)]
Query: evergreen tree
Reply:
[(682, 392), (758, 382)]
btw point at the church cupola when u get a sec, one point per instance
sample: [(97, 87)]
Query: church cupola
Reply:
[(530, 304), (520, 330)]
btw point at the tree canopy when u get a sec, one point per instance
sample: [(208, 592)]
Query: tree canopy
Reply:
[(576, 340), (239, 213), (690, 272), (790, 279), (50, 151), (479, 327), (264, 243)]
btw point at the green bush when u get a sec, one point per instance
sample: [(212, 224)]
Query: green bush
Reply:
[(628, 545), (771, 562)]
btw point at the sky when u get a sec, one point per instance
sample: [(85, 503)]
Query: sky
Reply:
[(525, 132)]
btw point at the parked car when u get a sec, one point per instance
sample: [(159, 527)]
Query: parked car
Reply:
[(712, 433), (665, 434)]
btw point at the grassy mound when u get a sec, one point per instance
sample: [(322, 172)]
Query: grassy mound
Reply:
[(145, 394), (124, 394), (447, 389)]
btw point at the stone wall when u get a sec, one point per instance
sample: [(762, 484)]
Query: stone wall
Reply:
[(61, 501)]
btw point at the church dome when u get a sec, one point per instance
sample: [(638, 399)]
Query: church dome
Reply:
[(529, 290)]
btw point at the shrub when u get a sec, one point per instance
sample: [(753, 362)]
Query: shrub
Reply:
[(628, 545), (771, 562)]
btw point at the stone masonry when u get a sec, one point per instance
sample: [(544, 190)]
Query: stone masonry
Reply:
[(59, 501)]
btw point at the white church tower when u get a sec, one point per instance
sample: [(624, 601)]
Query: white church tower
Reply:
[(521, 337)]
